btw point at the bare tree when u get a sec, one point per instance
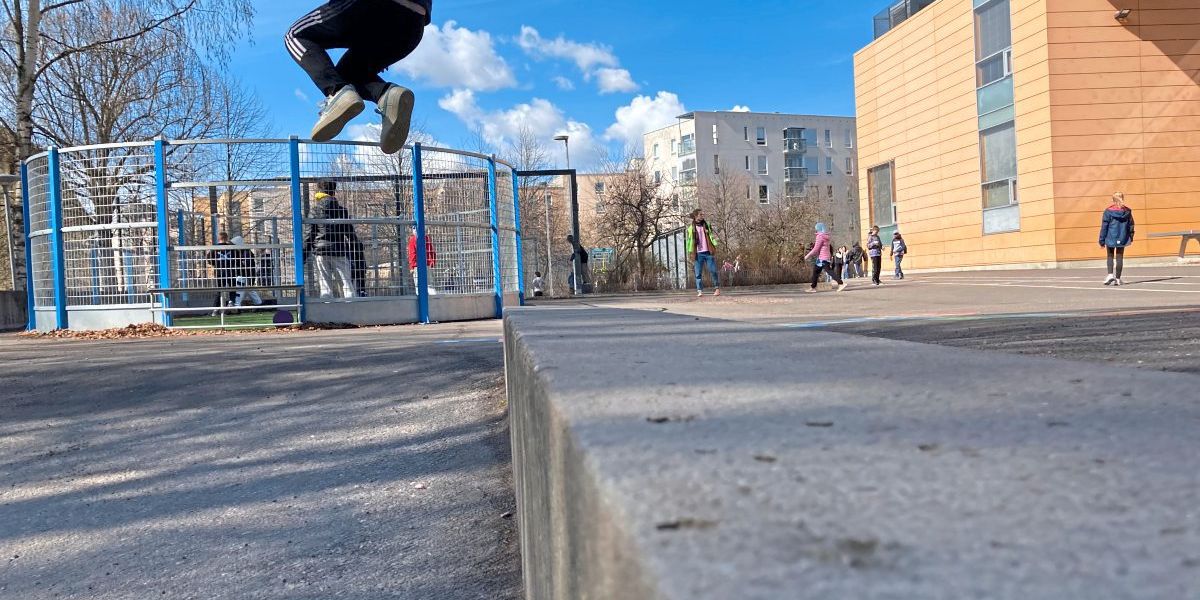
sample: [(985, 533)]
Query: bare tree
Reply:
[(638, 211), (30, 47)]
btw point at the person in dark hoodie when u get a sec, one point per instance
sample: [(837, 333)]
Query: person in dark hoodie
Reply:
[(875, 250), (1116, 232), (376, 35), (330, 244)]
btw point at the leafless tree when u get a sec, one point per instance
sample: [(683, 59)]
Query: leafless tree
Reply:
[(638, 211), (40, 34), (727, 205)]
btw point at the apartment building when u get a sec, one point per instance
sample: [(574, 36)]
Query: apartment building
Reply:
[(994, 132), (770, 157)]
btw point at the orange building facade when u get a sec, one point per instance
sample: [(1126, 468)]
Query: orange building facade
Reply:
[(990, 148)]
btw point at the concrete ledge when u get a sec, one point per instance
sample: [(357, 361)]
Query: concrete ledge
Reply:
[(660, 456)]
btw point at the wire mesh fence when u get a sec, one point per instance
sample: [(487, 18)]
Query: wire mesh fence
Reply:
[(244, 222)]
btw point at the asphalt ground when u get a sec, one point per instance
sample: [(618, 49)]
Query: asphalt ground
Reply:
[(360, 464), (1151, 322)]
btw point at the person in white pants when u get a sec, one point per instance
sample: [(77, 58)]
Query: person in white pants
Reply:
[(334, 272), (329, 243)]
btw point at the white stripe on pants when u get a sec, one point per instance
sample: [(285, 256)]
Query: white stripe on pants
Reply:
[(330, 268)]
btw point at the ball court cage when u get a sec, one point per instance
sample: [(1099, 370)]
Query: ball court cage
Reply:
[(241, 233)]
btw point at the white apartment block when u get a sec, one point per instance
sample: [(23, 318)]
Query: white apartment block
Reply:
[(780, 158)]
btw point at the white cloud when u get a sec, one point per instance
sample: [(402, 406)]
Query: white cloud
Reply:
[(644, 114), (740, 108), (300, 95), (615, 80), (564, 84), (585, 56), (593, 60), (457, 57), (540, 117)]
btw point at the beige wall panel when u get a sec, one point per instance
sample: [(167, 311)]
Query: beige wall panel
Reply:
[(1064, 143)]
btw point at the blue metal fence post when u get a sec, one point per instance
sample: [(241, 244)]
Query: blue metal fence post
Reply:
[(419, 216), (181, 239), (164, 225), (58, 253), (297, 225), (30, 298), (517, 227), (498, 278)]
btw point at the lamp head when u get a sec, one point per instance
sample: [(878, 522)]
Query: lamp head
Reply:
[(1123, 14)]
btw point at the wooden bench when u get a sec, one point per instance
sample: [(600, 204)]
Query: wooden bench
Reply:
[(1184, 236)]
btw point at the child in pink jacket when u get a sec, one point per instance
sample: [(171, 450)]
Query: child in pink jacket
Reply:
[(823, 250)]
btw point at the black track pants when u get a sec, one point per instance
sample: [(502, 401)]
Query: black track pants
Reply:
[(375, 33), (1116, 261)]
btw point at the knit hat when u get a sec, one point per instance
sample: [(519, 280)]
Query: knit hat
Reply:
[(821, 228)]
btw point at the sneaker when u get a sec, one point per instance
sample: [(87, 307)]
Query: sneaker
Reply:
[(699, 293), (1117, 282), (396, 106), (718, 292), (1110, 279), (842, 286), (811, 291), (336, 111)]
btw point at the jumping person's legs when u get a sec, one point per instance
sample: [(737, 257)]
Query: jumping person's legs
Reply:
[(375, 35)]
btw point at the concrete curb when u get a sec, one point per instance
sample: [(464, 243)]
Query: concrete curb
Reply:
[(660, 456)]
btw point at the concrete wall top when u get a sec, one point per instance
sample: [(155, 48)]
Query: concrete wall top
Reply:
[(662, 456)]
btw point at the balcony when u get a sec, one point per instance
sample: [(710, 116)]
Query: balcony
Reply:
[(897, 13), (795, 190), (687, 147), (798, 174), (795, 146)]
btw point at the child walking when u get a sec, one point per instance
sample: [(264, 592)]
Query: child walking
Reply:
[(376, 34), (899, 249), (1116, 232), (700, 243), (822, 249)]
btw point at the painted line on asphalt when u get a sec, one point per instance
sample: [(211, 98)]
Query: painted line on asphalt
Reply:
[(950, 317), (472, 341), (1125, 288)]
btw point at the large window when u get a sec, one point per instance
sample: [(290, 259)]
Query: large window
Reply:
[(762, 165), (793, 167), (881, 187), (849, 138), (687, 146), (812, 165), (828, 138), (829, 165), (764, 194), (761, 136), (997, 130)]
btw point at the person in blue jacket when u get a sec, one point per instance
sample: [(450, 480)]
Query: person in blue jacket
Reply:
[(376, 34), (1116, 232)]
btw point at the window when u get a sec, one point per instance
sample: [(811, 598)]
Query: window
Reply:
[(761, 136), (849, 166), (747, 191), (746, 133), (764, 194), (656, 151), (674, 173), (829, 192), (687, 146), (881, 186), (810, 137), (599, 187), (997, 129), (849, 194), (716, 164), (829, 165), (674, 149), (828, 138), (810, 164), (715, 134), (688, 172), (747, 162), (849, 138), (762, 165), (658, 177), (600, 208), (814, 192)]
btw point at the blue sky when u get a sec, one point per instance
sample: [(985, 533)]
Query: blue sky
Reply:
[(601, 71)]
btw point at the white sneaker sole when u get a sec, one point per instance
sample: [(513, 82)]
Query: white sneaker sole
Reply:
[(335, 118), (396, 106)]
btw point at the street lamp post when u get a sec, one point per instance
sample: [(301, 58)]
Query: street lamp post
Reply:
[(576, 266), (549, 252)]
